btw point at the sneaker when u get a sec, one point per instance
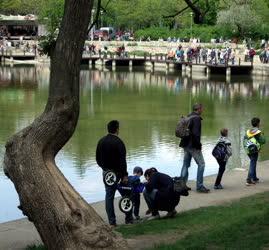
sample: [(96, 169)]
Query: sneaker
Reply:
[(250, 183), (256, 180), (218, 186), (203, 190), (129, 222), (154, 217), (148, 212), (171, 214)]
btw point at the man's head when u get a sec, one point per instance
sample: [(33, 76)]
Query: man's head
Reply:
[(149, 172), (255, 122), (113, 127), (198, 108), (138, 171)]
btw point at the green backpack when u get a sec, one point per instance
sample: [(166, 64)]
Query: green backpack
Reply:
[(251, 145)]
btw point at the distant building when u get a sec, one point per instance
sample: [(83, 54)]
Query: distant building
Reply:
[(13, 27)]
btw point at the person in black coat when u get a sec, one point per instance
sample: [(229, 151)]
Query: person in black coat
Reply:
[(111, 155), (193, 148), (159, 193)]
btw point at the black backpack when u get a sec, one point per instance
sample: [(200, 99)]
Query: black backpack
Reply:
[(220, 151), (180, 187)]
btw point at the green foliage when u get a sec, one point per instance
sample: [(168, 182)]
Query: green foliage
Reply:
[(47, 44), (205, 33), (246, 20), (50, 13), (19, 6), (243, 18)]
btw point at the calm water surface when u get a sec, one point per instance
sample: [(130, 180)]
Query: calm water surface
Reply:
[(146, 104)]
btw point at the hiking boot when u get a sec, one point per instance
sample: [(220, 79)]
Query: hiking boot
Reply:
[(137, 217), (250, 183), (171, 214), (203, 190), (218, 186), (113, 225), (188, 188)]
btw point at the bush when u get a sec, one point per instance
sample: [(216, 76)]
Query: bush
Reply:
[(205, 33)]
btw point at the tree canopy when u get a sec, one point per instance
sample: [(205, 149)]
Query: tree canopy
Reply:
[(240, 17)]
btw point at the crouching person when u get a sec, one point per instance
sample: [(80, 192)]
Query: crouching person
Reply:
[(159, 194)]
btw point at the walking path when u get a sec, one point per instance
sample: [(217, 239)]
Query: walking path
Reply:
[(21, 233)]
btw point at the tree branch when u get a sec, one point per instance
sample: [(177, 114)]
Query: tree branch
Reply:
[(98, 9), (96, 16), (180, 11), (192, 6)]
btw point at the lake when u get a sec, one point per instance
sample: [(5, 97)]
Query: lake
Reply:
[(148, 106)]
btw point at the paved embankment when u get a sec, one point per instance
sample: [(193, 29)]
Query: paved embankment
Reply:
[(21, 233)]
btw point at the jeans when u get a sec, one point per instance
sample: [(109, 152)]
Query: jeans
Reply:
[(136, 201), (150, 198), (197, 155), (252, 166), (110, 194), (222, 165)]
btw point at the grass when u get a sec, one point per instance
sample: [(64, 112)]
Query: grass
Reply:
[(239, 225), (242, 224)]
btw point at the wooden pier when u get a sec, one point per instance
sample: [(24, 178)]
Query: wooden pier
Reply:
[(113, 62)]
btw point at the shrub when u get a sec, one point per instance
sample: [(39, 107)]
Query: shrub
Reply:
[(205, 33)]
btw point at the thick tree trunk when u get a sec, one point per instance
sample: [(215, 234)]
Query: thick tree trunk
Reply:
[(62, 217)]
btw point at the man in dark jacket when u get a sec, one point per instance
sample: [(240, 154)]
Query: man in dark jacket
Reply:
[(159, 193), (192, 148), (111, 155)]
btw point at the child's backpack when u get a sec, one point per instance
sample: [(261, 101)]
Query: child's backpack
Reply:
[(251, 145), (182, 128), (220, 151)]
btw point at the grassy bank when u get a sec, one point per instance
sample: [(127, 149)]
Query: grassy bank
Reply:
[(240, 225)]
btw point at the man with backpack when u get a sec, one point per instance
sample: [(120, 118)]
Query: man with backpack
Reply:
[(191, 143), (253, 140)]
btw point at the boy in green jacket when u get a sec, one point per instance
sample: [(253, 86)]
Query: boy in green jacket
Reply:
[(252, 144)]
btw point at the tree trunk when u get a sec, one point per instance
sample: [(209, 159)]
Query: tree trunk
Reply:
[(62, 217)]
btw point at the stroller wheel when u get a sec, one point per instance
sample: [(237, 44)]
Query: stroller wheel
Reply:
[(125, 204), (109, 178)]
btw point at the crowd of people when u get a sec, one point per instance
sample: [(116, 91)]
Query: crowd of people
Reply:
[(202, 55), (25, 46), (159, 189)]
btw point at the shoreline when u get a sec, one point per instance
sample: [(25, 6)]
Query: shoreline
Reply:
[(20, 233)]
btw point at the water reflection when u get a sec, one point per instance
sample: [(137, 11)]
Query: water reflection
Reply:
[(148, 106)]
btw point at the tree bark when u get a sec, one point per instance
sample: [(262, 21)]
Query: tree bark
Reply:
[(62, 217)]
